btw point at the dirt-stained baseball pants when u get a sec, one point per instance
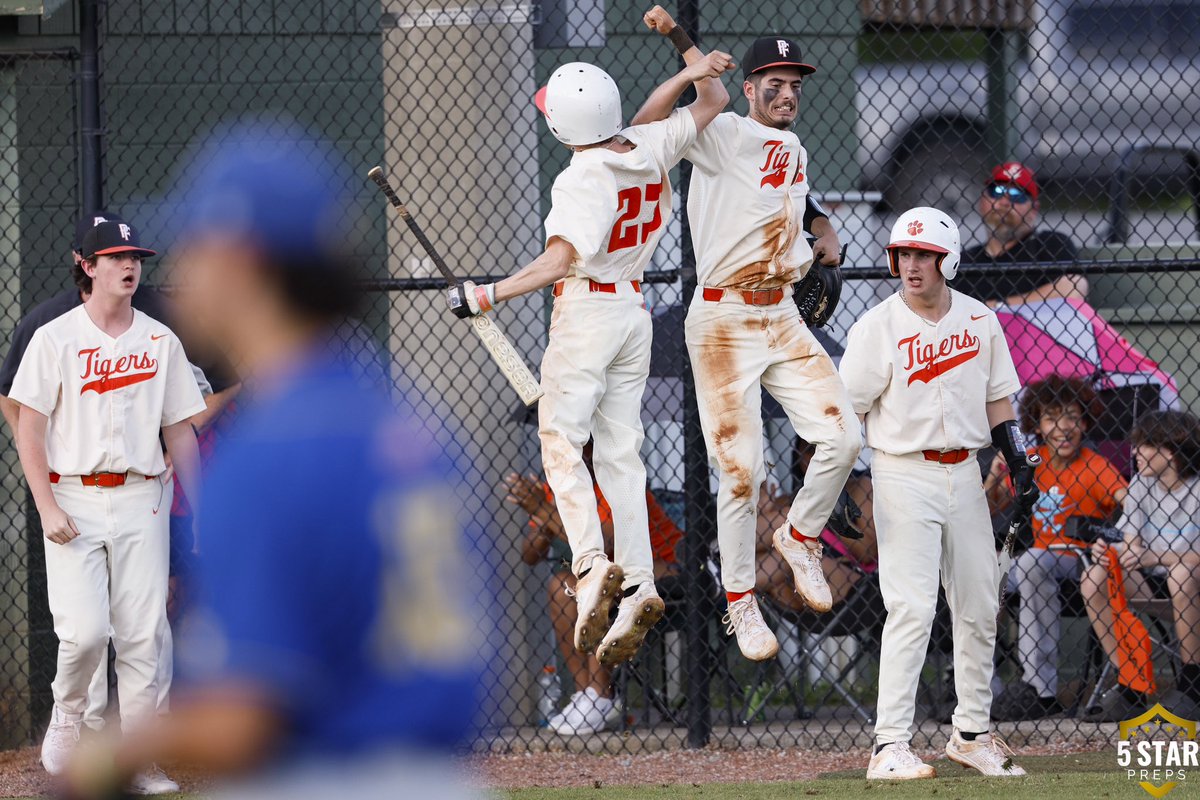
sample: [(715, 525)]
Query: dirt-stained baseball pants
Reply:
[(735, 348), (932, 520), (112, 577), (594, 373)]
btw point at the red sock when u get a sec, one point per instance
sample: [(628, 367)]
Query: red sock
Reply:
[(733, 597), (799, 537)]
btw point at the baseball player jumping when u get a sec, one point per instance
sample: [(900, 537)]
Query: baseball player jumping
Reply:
[(930, 373), (607, 215), (98, 384), (747, 206)]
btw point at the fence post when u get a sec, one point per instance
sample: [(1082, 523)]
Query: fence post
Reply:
[(696, 493), (91, 136)]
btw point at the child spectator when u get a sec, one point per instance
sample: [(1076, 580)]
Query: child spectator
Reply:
[(1073, 481), (1160, 556)]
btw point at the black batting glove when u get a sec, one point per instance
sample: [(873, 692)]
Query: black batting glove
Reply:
[(461, 301)]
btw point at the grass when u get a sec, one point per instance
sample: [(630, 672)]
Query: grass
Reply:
[(1070, 776)]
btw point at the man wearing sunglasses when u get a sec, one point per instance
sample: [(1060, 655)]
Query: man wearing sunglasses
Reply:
[(1009, 207)]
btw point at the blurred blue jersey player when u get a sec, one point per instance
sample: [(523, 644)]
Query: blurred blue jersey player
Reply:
[(332, 654)]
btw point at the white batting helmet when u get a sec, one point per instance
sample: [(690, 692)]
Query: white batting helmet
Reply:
[(926, 228), (582, 104)]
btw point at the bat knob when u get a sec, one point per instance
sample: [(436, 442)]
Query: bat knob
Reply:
[(375, 173)]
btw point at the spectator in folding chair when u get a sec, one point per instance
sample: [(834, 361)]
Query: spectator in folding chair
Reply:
[(1010, 206), (592, 707), (1074, 481), (1160, 557)]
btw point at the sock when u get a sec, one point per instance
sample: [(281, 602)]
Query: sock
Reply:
[(970, 736), (733, 597), (630, 591), (879, 747), (1189, 681), (799, 537)]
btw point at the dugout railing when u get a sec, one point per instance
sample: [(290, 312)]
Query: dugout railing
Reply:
[(912, 104)]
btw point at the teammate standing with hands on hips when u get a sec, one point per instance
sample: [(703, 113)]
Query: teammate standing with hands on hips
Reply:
[(930, 372), (98, 384), (747, 206), (607, 215)]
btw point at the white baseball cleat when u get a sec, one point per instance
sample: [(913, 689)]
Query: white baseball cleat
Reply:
[(805, 562), (587, 713), (62, 737), (745, 621), (988, 753), (594, 596), (636, 615), (152, 781), (897, 762)]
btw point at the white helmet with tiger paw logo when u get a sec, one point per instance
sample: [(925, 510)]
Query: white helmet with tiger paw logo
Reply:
[(925, 228)]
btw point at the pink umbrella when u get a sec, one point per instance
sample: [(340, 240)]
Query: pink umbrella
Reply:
[(1068, 338)]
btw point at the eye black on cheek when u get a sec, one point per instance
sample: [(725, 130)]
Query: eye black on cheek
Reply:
[(769, 94)]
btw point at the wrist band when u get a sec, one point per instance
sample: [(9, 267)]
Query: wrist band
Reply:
[(485, 296), (680, 39)]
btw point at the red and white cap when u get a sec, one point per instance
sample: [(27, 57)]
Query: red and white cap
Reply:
[(1017, 174), (925, 228)]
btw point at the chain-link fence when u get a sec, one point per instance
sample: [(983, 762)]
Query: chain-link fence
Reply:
[(1087, 254)]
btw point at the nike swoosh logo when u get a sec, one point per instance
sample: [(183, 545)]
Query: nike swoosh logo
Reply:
[(973, 317), (165, 335)]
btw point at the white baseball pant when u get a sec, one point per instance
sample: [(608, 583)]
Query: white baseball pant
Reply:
[(735, 348), (594, 373), (112, 577), (932, 519), (97, 695)]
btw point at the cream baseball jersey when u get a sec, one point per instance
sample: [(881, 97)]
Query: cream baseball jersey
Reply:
[(106, 398), (746, 204), (924, 386), (612, 207)]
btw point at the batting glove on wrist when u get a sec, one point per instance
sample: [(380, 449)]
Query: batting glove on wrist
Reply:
[(468, 299)]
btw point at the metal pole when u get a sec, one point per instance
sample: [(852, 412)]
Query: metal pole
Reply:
[(91, 136), (1000, 58), (698, 499)]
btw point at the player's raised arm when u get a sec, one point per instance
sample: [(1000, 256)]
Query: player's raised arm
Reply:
[(703, 70)]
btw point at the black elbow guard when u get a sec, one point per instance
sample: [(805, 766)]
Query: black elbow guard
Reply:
[(1010, 443), (812, 210)]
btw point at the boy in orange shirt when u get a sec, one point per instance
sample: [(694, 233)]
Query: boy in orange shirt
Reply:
[(1073, 481)]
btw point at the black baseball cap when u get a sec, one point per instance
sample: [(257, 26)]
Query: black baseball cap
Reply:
[(109, 238), (88, 221), (774, 51)]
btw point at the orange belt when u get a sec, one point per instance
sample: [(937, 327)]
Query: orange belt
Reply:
[(106, 480), (755, 297), (948, 457), (595, 286)]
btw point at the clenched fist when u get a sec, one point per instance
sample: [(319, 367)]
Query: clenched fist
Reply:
[(713, 65), (657, 19)]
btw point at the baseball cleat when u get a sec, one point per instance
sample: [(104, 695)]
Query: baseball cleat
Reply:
[(987, 753), (897, 762), (62, 737), (754, 638), (636, 615), (805, 562), (587, 713), (152, 781), (594, 597)]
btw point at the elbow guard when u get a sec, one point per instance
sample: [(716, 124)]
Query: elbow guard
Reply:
[(812, 210)]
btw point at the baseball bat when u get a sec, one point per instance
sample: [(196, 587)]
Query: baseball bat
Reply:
[(497, 344), (1015, 524)]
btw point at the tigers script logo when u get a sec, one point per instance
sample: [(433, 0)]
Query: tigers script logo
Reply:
[(775, 168), (927, 361), (107, 374)]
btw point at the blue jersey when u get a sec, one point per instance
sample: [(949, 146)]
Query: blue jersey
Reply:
[(333, 569)]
